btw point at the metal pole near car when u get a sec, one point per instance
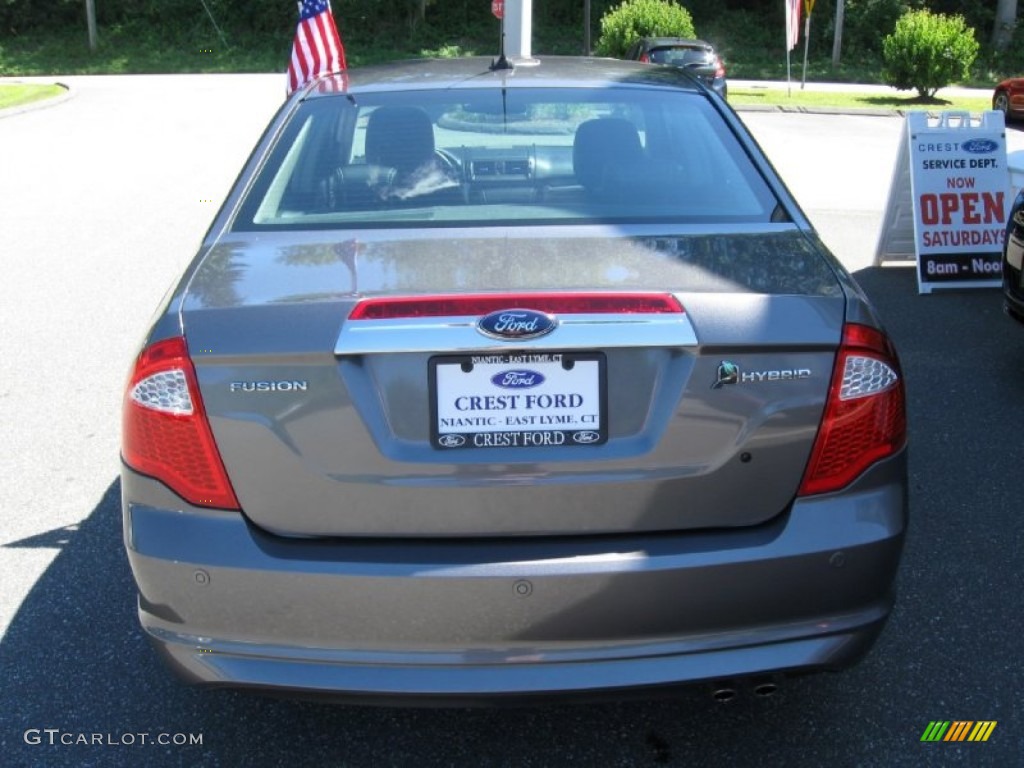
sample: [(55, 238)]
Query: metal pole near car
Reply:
[(519, 30)]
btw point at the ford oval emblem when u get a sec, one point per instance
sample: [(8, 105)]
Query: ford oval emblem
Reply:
[(517, 379), (979, 146), (516, 324), (586, 437), (451, 441)]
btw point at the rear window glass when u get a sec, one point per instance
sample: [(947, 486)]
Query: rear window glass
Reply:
[(513, 158), (680, 57)]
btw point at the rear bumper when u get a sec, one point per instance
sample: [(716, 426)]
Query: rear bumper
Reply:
[(229, 605)]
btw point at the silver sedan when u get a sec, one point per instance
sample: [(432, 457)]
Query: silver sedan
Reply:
[(494, 383)]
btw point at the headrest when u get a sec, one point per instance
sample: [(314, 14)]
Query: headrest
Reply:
[(607, 142), (399, 137)]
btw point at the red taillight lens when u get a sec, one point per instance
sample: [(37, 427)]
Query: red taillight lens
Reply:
[(644, 58), (387, 308), (165, 433), (719, 67), (865, 417)]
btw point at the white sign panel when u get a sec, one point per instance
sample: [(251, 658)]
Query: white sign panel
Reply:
[(960, 186), (518, 400)]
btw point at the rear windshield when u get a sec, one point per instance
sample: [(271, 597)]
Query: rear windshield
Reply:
[(681, 56), (511, 157)]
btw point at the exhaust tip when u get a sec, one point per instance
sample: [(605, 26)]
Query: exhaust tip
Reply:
[(765, 688), (723, 691)]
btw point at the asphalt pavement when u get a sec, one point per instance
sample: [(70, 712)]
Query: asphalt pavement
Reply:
[(103, 199)]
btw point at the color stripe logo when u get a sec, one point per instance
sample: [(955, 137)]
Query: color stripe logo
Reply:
[(958, 730)]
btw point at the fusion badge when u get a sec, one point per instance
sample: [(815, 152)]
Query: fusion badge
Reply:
[(269, 386)]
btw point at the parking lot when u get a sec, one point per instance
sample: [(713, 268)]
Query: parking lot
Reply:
[(104, 198)]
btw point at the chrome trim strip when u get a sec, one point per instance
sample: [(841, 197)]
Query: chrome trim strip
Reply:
[(460, 334)]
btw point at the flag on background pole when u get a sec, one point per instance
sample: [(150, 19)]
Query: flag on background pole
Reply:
[(792, 23), (317, 49)]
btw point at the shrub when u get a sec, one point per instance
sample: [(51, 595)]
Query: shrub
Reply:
[(928, 51), (625, 24)]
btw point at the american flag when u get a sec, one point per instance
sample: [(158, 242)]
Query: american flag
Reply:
[(792, 23), (317, 49)]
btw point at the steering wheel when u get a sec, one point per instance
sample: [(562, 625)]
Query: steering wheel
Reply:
[(449, 164)]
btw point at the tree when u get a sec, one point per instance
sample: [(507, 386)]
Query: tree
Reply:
[(625, 24)]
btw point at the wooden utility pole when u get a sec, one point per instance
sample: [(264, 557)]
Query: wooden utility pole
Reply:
[(90, 21), (1006, 20), (586, 27), (837, 40)]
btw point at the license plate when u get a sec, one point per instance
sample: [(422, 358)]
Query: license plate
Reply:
[(522, 400)]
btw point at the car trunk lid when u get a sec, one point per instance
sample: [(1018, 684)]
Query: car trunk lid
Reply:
[(336, 420)]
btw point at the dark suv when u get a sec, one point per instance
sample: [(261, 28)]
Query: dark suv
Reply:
[(695, 55), (1013, 261)]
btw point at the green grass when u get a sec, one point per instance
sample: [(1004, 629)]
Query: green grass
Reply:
[(17, 94), (136, 50), (847, 100), (119, 52)]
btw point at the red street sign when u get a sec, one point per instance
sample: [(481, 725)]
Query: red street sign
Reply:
[(498, 8)]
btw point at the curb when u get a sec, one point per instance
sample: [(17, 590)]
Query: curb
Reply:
[(852, 111), (32, 106), (871, 111)]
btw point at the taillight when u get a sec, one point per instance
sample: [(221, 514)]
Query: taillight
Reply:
[(460, 305), (719, 67), (644, 58), (165, 433), (865, 416)]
